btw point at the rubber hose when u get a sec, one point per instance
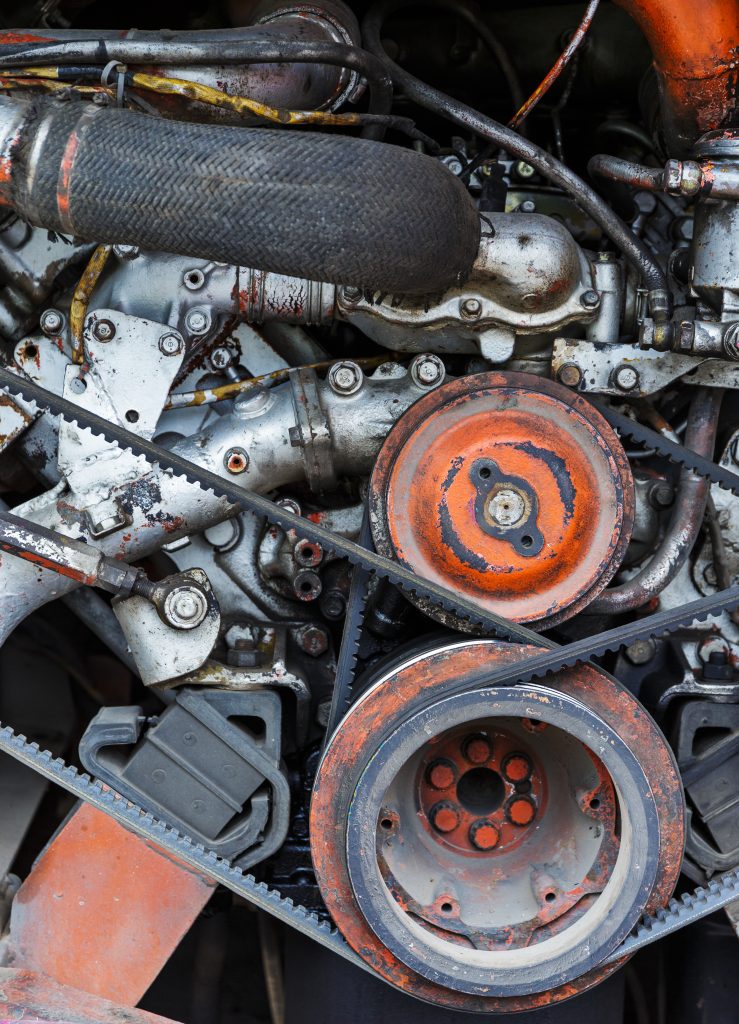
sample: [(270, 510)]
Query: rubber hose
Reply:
[(324, 207)]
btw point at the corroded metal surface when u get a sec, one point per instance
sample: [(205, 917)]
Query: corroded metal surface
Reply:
[(356, 742), (508, 488), (103, 909)]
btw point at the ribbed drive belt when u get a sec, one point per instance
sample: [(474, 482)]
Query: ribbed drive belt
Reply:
[(680, 912)]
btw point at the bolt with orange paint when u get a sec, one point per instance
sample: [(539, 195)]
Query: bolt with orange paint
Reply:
[(484, 834), (516, 768), (444, 816), (477, 749), (520, 811), (441, 774)]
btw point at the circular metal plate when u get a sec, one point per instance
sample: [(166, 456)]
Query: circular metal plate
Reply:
[(411, 688), (509, 488)]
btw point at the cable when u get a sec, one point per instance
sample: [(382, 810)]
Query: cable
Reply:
[(558, 67), (643, 261)]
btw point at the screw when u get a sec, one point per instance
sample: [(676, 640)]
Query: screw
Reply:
[(527, 206), (477, 749), (345, 378), (351, 295), (444, 816), (221, 357), (441, 774), (170, 344), (626, 378), (470, 308), (641, 652), (590, 299), (427, 370), (484, 834), (520, 811), (185, 607), (312, 639), (236, 460), (103, 330), (197, 321), (570, 374)]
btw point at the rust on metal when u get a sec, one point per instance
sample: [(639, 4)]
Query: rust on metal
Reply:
[(104, 909), (81, 299), (695, 48), (352, 746), (509, 488)]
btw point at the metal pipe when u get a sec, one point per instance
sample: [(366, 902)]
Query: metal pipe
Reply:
[(694, 44), (685, 521), (627, 173)]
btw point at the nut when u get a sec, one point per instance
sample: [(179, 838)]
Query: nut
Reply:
[(570, 374), (427, 370), (170, 344), (51, 321), (185, 607), (626, 378), (103, 330), (345, 378), (236, 460), (470, 308)]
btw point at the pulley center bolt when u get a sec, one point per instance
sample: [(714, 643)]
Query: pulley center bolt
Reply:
[(484, 834), (444, 816), (345, 378), (185, 607), (520, 811), (441, 774), (477, 749), (506, 507)]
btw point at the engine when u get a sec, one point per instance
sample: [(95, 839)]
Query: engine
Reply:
[(369, 544)]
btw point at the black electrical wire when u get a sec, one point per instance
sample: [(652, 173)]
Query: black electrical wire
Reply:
[(432, 99)]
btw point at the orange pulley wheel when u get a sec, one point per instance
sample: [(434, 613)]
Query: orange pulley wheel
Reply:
[(509, 488)]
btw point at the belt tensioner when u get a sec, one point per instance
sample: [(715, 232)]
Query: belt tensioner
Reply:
[(509, 488), (488, 848)]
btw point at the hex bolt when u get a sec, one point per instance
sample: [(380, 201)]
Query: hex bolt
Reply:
[(506, 507), (78, 385), (351, 295), (520, 811), (441, 774), (236, 460), (444, 816), (185, 607), (197, 321), (484, 834), (312, 639), (103, 330), (516, 767), (345, 378), (731, 341), (527, 206), (626, 378), (470, 308), (427, 370), (641, 652), (570, 374), (477, 749), (661, 494), (523, 170), (51, 321), (126, 252), (590, 299), (333, 604), (170, 344)]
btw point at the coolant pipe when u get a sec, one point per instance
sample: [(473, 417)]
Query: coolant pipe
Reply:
[(685, 521)]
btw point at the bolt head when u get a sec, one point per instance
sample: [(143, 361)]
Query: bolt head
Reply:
[(521, 811), (506, 507), (484, 834), (626, 378), (641, 652), (51, 321), (477, 749), (527, 206), (126, 252), (103, 330), (185, 607), (78, 385), (427, 370), (350, 294), (570, 374), (221, 357), (170, 344), (470, 308), (524, 170), (345, 378), (313, 640), (590, 299), (441, 774), (197, 321), (444, 816)]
